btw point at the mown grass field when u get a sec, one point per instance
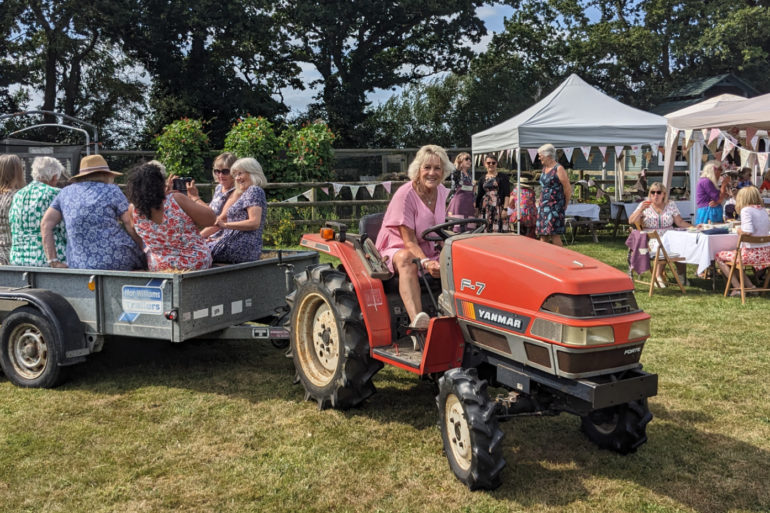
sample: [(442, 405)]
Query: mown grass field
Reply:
[(218, 426)]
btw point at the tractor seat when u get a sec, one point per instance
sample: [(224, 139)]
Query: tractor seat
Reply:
[(370, 225)]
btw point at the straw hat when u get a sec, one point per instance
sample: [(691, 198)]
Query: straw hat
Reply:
[(527, 181), (93, 164)]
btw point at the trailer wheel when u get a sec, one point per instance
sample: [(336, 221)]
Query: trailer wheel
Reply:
[(329, 345), (469, 429), (620, 428), (30, 352)]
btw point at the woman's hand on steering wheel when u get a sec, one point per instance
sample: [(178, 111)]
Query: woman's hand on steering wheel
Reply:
[(441, 232)]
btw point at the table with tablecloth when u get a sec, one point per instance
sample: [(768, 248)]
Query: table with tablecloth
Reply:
[(697, 248), (589, 210), (618, 210)]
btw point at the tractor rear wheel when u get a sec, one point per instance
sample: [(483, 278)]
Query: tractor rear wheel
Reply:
[(621, 428), (469, 429), (329, 344)]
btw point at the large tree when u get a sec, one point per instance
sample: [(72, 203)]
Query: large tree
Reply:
[(208, 59), (358, 47)]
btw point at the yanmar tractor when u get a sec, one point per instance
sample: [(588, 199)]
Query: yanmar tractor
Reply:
[(560, 331)]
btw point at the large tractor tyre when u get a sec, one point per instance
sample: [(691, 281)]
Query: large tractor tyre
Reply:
[(30, 352), (621, 428), (329, 344), (469, 429)]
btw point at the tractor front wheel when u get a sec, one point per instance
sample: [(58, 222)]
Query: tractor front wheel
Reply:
[(469, 429), (329, 345), (620, 428)]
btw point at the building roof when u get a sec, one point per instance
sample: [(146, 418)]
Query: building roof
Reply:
[(703, 88)]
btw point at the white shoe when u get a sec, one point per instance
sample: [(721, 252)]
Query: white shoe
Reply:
[(661, 282), (420, 321)]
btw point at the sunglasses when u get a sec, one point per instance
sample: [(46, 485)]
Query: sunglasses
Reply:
[(490, 163), (222, 171), (467, 159), (656, 192)]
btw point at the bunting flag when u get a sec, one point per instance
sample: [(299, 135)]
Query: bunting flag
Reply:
[(293, 199), (728, 148), (568, 153), (633, 159), (705, 133), (387, 186), (713, 145), (648, 157), (586, 152), (762, 161), (750, 133), (618, 152), (688, 137), (326, 190), (370, 189), (603, 151), (753, 142), (354, 190), (532, 154), (654, 148), (337, 188), (308, 194), (704, 158), (715, 132)]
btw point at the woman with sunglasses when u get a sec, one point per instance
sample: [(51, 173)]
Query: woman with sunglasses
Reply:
[(461, 202), (660, 214), (223, 192), (492, 195)]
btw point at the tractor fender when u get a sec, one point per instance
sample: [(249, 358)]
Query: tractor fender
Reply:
[(65, 321)]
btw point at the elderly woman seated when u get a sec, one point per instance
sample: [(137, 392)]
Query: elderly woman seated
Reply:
[(416, 206), (243, 217), (168, 223), (95, 214), (27, 209), (658, 213)]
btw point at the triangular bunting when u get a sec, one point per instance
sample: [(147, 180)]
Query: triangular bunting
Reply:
[(618, 152), (337, 188), (728, 148), (370, 189), (568, 153), (715, 132), (762, 161), (354, 190), (293, 199), (603, 151), (586, 151), (687, 137), (750, 133), (532, 154), (308, 194), (387, 186), (326, 190)]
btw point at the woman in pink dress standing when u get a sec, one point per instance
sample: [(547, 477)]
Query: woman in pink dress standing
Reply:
[(416, 206)]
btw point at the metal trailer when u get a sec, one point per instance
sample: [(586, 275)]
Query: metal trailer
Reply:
[(52, 318)]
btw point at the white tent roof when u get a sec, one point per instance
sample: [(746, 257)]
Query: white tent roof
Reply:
[(574, 114), (752, 112), (708, 104)]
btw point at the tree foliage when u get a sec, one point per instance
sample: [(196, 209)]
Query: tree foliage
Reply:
[(358, 47)]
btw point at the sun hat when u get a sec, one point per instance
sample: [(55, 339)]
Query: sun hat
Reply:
[(93, 164), (527, 181)]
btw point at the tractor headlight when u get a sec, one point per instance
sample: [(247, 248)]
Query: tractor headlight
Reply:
[(639, 329), (595, 335), (573, 335)]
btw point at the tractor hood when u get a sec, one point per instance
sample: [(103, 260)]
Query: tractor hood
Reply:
[(501, 268)]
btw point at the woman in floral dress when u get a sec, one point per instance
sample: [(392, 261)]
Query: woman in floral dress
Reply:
[(527, 213), (241, 239), (492, 195), (168, 223), (26, 214), (11, 179), (554, 197)]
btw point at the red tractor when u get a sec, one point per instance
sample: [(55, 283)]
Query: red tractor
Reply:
[(561, 332)]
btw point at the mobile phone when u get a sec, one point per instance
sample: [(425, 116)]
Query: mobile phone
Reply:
[(180, 184)]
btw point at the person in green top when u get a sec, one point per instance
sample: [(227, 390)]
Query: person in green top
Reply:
[(27, 209)]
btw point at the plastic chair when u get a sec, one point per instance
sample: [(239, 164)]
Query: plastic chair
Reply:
[(660, 257), (737, 264)]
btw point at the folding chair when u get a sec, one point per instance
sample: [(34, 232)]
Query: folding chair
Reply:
[(737, 264), (660, 257)]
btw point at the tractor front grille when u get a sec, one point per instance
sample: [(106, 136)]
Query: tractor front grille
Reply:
[(616, 303)]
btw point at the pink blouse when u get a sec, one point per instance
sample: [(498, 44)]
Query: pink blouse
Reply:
[(651, 220), (407, 209)]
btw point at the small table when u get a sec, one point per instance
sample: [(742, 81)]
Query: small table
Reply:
[(589, 211), (697, 248)]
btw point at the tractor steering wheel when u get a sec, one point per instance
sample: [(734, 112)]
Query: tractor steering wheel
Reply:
[(442, 232)]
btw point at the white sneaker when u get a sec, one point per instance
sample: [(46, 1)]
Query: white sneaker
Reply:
[(420, 321)]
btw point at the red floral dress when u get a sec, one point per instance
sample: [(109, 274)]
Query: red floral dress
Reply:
[(175, 243)]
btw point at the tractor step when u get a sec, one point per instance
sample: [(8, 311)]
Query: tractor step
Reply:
[(401, 351)]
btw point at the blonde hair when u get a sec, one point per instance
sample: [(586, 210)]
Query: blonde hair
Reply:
[(253, 168), (460, 157), (226, 158), (11, 173), (657, 186), (709, 171), (749, 195), (427, 152)]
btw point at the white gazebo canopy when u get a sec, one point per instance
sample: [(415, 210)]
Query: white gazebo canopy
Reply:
[(574, 114)]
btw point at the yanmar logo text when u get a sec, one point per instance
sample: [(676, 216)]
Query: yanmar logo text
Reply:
[(493, 316)]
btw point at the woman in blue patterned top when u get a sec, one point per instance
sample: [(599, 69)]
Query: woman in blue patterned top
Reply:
[(95, 213)]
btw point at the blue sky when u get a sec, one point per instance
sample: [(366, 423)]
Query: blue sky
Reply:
[(492, 15)]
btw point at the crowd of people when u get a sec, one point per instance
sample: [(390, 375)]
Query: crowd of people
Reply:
[(87, 222)]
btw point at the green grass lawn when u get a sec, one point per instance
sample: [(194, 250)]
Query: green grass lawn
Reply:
[(219, 426)]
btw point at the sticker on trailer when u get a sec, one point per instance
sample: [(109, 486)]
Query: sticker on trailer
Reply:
[(236, 307), (217, 310), (200, 314), (142, 300)]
